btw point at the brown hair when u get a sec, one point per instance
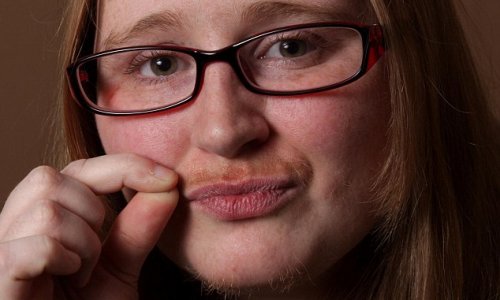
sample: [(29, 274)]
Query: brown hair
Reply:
[(438, 191)]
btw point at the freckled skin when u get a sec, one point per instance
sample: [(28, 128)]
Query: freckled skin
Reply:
[(334, 139)]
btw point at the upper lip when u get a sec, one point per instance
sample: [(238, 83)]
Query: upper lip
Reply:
[(220, 189)]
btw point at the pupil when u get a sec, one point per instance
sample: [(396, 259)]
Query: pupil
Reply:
[(161, 66), (292, 48)]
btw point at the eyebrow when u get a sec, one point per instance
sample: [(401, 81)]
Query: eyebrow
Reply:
[(262, 11), (163, 20), (255, 13)]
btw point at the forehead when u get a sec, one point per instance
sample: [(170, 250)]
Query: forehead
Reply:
[(121, 20)]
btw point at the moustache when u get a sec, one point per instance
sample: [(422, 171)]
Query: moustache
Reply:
[(298, 171)]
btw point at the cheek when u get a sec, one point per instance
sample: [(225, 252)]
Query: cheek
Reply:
[(342, 121), (150, 136), (342, 126)]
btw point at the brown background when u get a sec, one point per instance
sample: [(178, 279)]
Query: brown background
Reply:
[(28, 75)]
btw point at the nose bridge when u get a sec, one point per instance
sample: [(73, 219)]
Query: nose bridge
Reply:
[(226, 55), (228, 116)]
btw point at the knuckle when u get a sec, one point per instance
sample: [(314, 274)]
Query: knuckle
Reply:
[(130, 157), (128, 239), (75, 167), (48, 250), (13, 263), (48, 214), (138, 168), (48, 246), (45, 176), (134, 162)]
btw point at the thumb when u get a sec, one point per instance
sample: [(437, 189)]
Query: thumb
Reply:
[(135, 232)]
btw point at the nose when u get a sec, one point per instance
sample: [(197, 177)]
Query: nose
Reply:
[(229, 119)]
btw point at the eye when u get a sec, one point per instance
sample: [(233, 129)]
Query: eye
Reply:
[(288, 48), (159, 66)]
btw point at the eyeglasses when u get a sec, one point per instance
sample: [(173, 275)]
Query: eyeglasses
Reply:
[(291, 60)]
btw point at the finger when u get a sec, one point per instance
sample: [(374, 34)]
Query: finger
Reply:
[(47, 183), (136, 230), (50, 219), (35, 257), (110, 173), (30, 257)]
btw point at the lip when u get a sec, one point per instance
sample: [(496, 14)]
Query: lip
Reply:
[(245, 200)]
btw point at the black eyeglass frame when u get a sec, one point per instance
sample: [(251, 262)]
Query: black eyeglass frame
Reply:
[(373, 49)]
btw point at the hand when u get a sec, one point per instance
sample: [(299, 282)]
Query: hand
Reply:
[(49, 241)]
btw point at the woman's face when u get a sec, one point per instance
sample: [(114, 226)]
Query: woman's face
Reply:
[(272, 188)]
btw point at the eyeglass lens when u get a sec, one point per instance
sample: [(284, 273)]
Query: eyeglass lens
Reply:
[(293, 60)]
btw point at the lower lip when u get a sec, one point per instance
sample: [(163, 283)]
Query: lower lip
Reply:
[(244, 206)]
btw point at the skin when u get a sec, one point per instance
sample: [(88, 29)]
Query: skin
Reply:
[(49, 229), (334, 140), (329, 145)]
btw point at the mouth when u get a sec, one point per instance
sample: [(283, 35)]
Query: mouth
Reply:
[(244, 200)]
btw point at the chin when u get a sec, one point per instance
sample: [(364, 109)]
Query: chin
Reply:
[(251, 278), (243, 266), (253, 268)]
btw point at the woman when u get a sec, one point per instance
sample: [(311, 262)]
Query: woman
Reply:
[(302, 153)]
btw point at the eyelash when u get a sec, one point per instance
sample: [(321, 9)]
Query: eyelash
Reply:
[(308, 38), (138, 61)]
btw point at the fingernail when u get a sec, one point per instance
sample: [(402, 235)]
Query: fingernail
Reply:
[(163, 173)]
